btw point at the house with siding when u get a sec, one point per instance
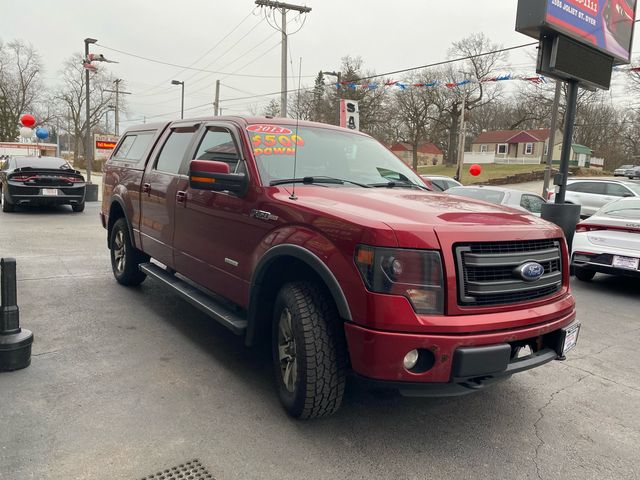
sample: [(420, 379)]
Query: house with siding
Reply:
[(525, 144), (428, 153)]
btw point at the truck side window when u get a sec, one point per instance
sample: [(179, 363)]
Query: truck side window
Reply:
[(133, 147), (218, 144), (173, 150)]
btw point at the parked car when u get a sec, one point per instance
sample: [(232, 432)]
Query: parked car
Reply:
[(40, 181), (622, 170), (633, 172), (441, 182), (609, 241), (350, 265), (518, 199), (592, 193)]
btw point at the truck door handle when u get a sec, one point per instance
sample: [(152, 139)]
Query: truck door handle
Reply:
[(146, 188), (181, 197)]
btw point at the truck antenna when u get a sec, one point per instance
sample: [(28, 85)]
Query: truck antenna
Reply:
[(295, 143)]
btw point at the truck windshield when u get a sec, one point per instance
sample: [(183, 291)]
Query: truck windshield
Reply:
[(324, 152)]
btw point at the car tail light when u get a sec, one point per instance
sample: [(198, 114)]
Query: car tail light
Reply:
[(21, 178), (414, 274), (72, 179)]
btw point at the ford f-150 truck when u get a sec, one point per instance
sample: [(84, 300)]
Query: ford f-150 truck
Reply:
[(322, 242)]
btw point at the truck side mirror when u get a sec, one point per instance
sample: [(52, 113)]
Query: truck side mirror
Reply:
[(216, 176)]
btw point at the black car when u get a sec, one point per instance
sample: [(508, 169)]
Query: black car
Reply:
[(40, 181)]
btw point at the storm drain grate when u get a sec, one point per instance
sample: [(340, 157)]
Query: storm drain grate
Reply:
[(192, 470)]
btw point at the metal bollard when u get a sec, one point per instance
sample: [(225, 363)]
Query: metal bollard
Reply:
[(15, 342)]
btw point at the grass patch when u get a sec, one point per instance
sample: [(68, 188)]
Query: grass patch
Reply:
[(489, 171)]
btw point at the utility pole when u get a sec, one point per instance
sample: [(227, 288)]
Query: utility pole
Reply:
[(283, 7), (216, 102), (88, 150), (461, 142), (117, 109), (552, 139)]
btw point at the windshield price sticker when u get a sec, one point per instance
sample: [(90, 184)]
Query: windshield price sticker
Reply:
[(275, 129), (273, 144)]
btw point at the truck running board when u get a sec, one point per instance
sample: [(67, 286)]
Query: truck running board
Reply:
[(196, 297)]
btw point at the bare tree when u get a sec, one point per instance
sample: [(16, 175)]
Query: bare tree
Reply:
[(272, 109), (71, 98), (20, 86), (481, 61)]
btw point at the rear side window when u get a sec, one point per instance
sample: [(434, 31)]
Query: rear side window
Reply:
[(173, 150), (133, 147), (588, 187)]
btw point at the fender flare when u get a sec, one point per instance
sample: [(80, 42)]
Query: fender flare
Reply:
[(117, 199), (312, 261)]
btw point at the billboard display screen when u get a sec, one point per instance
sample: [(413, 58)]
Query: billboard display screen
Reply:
[(604, 24)]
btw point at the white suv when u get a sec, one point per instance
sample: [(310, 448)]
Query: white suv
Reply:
[(592, 194)]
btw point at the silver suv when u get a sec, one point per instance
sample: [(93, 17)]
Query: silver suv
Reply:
[(592, 194)]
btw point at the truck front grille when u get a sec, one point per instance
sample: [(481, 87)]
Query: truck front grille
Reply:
[(487, 276)]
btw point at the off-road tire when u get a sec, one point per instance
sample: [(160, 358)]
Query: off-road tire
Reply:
[(6, 206), (583, 274), (79, 207), (125, 258), (319, 351)]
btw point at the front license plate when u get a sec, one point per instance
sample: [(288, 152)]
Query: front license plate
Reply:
[(50, 192), (629, 263), (570, 337)]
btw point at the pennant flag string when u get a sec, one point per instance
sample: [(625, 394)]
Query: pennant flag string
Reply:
[(450, 85)]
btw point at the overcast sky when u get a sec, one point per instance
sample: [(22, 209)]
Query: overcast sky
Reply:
[(388, 35)]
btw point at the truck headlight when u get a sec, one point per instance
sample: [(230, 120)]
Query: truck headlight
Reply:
[(414, 274)]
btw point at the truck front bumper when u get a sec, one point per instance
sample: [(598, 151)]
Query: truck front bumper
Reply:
[(452, 364)]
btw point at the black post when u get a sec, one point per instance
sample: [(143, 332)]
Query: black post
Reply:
[(15, 343), (563, 215)]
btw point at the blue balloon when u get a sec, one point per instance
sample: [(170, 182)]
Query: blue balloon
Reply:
[(42, 133)]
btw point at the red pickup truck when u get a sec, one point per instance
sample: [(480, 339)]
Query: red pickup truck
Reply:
[(321, 241)]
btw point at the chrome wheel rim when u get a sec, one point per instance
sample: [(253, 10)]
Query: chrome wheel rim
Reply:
[(119, 251), (287, 351)]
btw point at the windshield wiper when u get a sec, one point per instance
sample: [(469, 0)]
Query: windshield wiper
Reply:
[(316, 179), (399, 183)]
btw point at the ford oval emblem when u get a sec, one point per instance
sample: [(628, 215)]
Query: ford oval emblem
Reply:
[(529, 271)]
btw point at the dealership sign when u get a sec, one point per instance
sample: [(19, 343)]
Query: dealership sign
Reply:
[(349, 114), (103, 145), (606, 25)]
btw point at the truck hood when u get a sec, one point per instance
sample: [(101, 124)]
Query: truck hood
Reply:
[(414, 211)]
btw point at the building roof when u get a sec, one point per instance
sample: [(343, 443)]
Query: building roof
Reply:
[(581, 149), (513, 136), (424, 147)]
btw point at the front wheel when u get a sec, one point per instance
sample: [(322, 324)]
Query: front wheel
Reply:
[(125, 258), (584, 274), (309, 351)]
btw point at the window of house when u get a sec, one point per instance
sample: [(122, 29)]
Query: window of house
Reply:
[(483, 148), (528, 149), (502, 148)]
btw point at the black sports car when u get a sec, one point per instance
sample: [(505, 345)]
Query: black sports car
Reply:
[(40, 181)]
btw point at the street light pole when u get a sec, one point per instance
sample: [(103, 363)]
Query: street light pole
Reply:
[(178, 82), (338, 75), (87, 139)]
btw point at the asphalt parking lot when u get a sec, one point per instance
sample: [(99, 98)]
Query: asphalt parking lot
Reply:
[(127, 382)]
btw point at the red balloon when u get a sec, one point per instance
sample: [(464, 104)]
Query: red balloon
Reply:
[(475, 169), (27, 120)]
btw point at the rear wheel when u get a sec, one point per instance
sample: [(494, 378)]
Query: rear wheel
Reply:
[(584, 274), (79, 207), (6, 206), (309, 352), (125, 258)]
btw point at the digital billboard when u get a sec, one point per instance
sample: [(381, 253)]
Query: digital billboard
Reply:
[(604, 24)]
